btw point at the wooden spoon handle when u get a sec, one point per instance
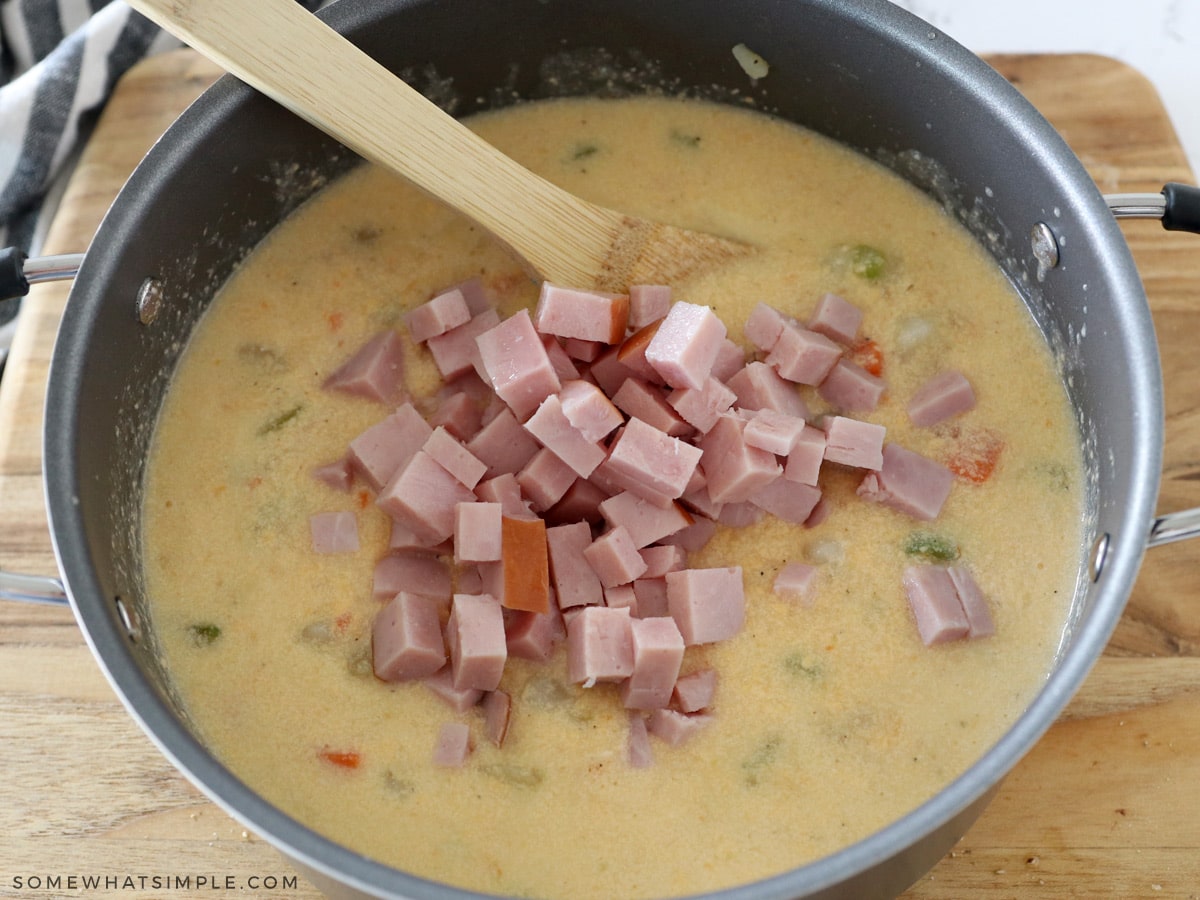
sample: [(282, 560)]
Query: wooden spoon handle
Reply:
[(282, 50)]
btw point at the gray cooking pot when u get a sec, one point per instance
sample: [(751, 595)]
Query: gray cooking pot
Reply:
[(864, 72)]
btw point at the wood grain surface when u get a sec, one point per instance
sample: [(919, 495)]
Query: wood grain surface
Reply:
[(1107, 804)]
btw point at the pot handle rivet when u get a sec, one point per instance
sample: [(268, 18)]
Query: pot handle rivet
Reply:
[(1045, 248), (1099, 555), (149, 300), (128, 618)]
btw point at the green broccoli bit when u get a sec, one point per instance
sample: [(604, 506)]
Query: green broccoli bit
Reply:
[(867, 262), (272, 425), (203, 634), (931, 546)]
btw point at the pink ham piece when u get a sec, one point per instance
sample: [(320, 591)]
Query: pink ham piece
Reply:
[(503, 445), (648, 303), (475, 293), (935, 605), (941, 397), (640, 754), (583, 351), (836, 318), (497, 712), (979, 616), (803, 356), (663, 559), (640, 400), (417, 573), (608, 371), (795, 580), (657, 655), (575, 581), (422, 496), (701, 407), (707, 604), (517, 365), (375, 371), (851, 388), (441, 685), (586, 315), (387, 446), (587, 409), (581, 503), (456, 459), (763, 326), (550, 425), (645, 522), (505, 490), (909, 483), (695, 691), (773, 431), (453, 745), (685, 346), (614, 558), (334, 532), (730, 360), (563, 365), (475, 636), (477, 532), (675, 728), (804, 461), (788, 500), (455, 352), (735, 470), (406, 638), (599, 645), (740, 515), (651, 594), (653, 459), (534, 636), (758, 386), (852, 442), (437, 316), (337, 475), (694, 537), (622, 595), (545, 479), (632, 353), (459, 414)]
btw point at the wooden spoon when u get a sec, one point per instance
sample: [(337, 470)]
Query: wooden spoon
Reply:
[(290, 55)]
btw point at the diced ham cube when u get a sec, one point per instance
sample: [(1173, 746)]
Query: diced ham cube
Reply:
[(503, 445), (564, 367), (441, 684), (581, 503), (599, 645), (608, 371), (475, 636), (735, 470), (795, 580), (764, 325), (701, 407), (477, 532), (337, 475), (534, 636), (975, 606), (852, 442), (820, 513), (773, 431), (730, 360), (526, 564), (456, 459), (453, 745), (387, 446), (945, 395), (909, 483), (695, 691), (632, 353), (653, 458), (475, 293), (437, 316), (694, 537), (497, 711), (587, 315), (517, 365), (787, 500), (935, 605), (614, 558), (575, 581), (663, 559), (657, 655), (640, 400), (459, 414), (588, 410), (621, 595), (836, 318), (406, 638), (674, 727), (707, 604), (758, 386), (455, 352), (550, 425), (645, 522), (612, 481), (545, 479), (375, 371), (640, 754), (804, 462), (422, 496), (743, 514), (803, 356), (583, 351), (416, 573), (651, 594), (686, 345), (648, 303), (851, 388), (334, 532), (505, 490)]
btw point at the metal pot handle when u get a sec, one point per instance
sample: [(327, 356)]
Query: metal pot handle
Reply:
[(41, 589)]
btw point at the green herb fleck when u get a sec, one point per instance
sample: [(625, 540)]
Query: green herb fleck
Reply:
[(867, 262), (764, 756), (272, 425), (798, 664), (263, 358), (1056, 474), (398, 787), (581, 152), (203, 634), (515, 775), (684, 139), (929, 545)]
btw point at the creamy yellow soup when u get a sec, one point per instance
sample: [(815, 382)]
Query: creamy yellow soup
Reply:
[(831, 718)]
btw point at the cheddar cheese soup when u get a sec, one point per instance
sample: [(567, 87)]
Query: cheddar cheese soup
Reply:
[(832, 676)]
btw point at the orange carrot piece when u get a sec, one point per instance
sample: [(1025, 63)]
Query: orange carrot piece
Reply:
[(343, 759), (526, 563), (869, 355), (976, 456)]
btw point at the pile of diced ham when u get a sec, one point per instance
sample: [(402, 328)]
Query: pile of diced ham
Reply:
[(574, 458)]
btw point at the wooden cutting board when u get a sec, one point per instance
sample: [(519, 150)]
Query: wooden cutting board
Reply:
[(1107, 805)]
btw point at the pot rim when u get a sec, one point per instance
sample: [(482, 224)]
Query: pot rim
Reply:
[(109, 643)]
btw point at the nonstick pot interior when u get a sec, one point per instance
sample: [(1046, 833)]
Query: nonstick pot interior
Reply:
[(865, 73)]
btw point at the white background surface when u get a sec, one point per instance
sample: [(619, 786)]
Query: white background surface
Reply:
[(1159, 38)]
